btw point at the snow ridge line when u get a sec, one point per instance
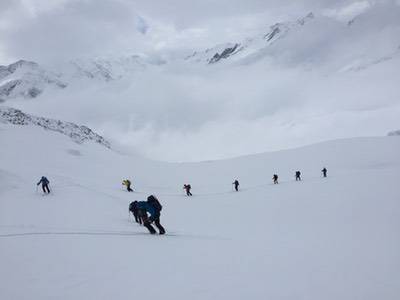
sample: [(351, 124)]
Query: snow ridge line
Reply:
[(78, 134)]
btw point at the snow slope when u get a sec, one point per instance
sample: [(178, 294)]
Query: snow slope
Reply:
[(77, 133), (26, 79), (333, 238)]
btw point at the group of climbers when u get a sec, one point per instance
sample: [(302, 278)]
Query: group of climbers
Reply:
[(275, 178), (297, 175), (141, 209)]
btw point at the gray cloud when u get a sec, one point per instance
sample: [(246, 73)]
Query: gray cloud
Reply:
[(186, 14), (53, 29), (74, 28), (297, 91)]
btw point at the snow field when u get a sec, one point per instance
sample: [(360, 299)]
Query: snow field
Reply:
[(333, 238)]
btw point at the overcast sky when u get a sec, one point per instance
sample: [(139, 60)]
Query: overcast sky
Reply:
[(296, 94), (46, 30)]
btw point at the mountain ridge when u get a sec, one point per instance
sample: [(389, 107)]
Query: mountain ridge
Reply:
[(78, 133), (307, 42)]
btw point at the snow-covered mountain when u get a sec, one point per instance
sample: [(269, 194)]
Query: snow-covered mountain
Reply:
[(250, 45), (110, 68), (287, 82), (26, 79), (78, 133), (317, 42)]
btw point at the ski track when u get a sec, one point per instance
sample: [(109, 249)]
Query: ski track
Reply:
[(111, 233)]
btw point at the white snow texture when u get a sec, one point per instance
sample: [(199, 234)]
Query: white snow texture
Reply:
[(321, 238), (289, 85)]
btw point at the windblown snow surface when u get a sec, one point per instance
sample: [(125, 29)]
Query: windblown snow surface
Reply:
[(321, 238)]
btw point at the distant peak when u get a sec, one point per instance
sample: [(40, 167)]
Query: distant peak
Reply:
[(21, 63), (308, 17)]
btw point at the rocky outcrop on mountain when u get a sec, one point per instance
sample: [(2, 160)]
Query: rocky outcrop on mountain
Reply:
[(78, 133), (275, 29), (224, 54), (304, 20), (279, 29), (250, 45), (394, 133)]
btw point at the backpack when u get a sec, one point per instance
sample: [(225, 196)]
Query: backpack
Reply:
[(153, 201), (132, 206)]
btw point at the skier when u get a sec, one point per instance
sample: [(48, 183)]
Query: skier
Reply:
[(127, 183), (134, 210), (45, 184), (145, 207), (236, 183), (187, 188), (275, 179), (324, 171), (298, 174)]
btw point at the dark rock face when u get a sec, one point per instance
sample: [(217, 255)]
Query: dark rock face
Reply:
[(224, 54), (274, 31)]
